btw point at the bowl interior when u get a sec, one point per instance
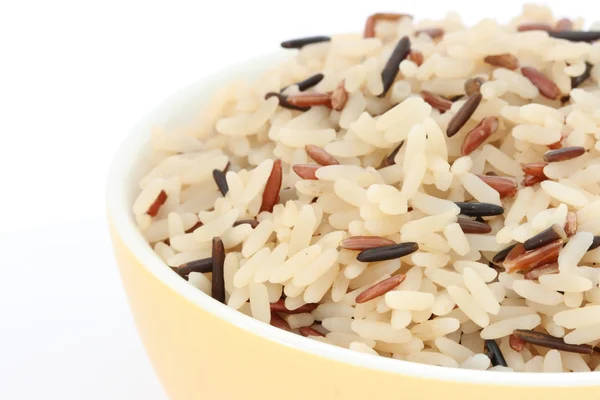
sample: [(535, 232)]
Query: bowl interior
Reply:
[(133, 161)]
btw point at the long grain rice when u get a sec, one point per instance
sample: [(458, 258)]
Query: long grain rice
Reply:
[(293, 171)]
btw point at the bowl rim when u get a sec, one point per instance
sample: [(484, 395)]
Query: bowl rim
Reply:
[(122, 221)]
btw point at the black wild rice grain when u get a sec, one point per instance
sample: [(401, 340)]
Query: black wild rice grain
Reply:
[(391, 67), (252, 222), (308, 82), (551, 342), (218, 277), (203, 265), (576, 36), (578, 80), (545, 237), (387, 252), (497, 356), (389, 160), (283, 102), (501, 255), (221, 181), (301, 42), (595, 243), (475, 209), (462, 116)]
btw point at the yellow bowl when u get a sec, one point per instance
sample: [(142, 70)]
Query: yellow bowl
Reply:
[(202, 349)]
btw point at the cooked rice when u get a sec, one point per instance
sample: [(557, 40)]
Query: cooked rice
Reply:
[(376, 160)]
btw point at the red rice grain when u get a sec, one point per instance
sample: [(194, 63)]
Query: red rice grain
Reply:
[(271, 192), (157, 204)]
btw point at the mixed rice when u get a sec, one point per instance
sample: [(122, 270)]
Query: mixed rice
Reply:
[(425, 191)]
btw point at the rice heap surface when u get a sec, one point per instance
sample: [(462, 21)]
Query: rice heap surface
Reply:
[(422, 191)]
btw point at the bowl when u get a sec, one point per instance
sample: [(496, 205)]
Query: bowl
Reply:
[(200, 348)]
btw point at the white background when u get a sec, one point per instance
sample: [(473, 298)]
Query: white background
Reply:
[(75, 76)]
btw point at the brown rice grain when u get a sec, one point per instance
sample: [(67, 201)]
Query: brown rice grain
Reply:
[(467, 225), (535, 169), (365, 242), (534, 258), (284, 103), (546, 87), (436, 101), (505, 186), (534, 26), (272, 188), (533, 274), (309, 331), (463, 114), (320, 156), (416, 56), (279, 322), (372, 20), (571, 224), (563, 24), (531, 180), (505, 60), (516, 343), (279, 306), (306, 171), (339, 96), (479, 134), (218, 278), (564, 154), (379, 289)]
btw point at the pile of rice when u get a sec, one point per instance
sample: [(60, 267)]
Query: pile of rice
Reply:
[(449, 305)]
